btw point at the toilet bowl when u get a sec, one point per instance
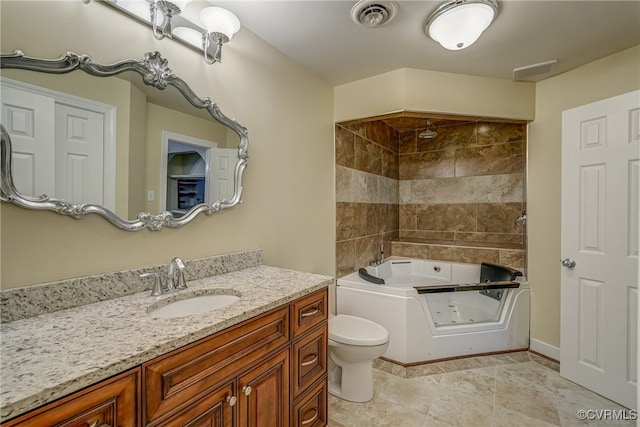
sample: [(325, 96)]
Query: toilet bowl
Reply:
[(353, 344)]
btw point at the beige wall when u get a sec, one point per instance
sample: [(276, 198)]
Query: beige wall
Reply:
[(611, 76), (436, 92), (288, 206)]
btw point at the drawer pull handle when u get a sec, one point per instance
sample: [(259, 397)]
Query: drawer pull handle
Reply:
[(247, 390), (310, 362), (95, 424), (312, 419), (310, 313), (231, 400)]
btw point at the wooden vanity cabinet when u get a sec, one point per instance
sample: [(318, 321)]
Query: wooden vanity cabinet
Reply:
[(113, 402), (268, 371)]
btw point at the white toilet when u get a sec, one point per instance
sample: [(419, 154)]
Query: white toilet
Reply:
[(353, 344)]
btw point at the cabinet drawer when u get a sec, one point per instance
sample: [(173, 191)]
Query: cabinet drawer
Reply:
[(111, 402), (216, 409), (173, 381), (309, 359), (311, 410), (309, 311)]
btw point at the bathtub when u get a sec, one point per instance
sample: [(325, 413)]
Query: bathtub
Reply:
[(437, 310)]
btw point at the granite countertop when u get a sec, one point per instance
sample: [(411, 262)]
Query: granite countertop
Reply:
[(51, 355)]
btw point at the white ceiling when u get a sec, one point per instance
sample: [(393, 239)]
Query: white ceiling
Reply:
[(321, 36)]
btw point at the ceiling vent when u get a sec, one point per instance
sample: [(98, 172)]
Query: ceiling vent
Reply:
[(371, 13), (535, 70)]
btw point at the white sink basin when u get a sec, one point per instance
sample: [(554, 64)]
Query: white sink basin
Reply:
[(194, 305)]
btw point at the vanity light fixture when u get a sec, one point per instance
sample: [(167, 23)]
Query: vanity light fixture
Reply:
[(458, 24), (159, 13), (221, 25), (167, 20), (165, 10)]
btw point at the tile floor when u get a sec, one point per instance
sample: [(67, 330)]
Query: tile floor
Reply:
[(512, 389)]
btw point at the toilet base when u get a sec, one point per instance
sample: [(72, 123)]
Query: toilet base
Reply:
[(351, 381)]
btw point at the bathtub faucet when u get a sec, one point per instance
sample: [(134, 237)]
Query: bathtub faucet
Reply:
[(522, 219), (381, 259)]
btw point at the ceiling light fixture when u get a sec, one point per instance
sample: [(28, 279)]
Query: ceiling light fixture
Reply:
[(166, 20), (459, 23)]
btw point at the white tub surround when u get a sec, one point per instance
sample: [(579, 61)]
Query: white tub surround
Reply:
[(432, 326), (51, 355)]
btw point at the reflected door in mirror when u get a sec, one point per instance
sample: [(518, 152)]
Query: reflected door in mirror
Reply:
[(59, 147)]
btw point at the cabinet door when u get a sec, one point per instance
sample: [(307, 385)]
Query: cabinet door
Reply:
[(264, 394), (113, 402), (217, 409)]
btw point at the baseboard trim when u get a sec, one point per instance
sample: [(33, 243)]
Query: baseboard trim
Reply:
[(544, 349)]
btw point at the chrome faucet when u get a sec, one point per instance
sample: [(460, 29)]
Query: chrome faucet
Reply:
[(159, 287), (522, 219), (171, 281), (381, 259)]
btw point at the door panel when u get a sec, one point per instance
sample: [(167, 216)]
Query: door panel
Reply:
[(79, 158), (28, 118), (600, 186)]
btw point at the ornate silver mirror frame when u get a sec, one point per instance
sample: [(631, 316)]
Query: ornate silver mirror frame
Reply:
[(155, 72)]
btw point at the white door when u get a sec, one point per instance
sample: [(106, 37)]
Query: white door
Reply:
[(599, 295), (223, 162), (79, 158), (28, 118)]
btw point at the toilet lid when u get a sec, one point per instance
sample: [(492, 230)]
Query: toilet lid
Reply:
[(353, 330)]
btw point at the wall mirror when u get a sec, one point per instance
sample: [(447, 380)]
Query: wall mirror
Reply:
[(129, 141)]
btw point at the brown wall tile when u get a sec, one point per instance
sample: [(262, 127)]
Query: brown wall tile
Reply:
[(390, 164), (408, 142), (449, 138), (350, 220), (410, 250), (489, 159), (408, 217), (499, 217), (428, 236), (454, 217), (433, 164), (378, 132), (367, 250), (464, 254), (368, 156), (514, 259), (357, 128), (345, 143), (496, 133), (345, 257)]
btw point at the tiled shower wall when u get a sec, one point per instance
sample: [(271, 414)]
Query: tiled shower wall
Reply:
[(452, 198), (367, 204)]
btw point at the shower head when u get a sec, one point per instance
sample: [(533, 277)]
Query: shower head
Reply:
[(428, 133)]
